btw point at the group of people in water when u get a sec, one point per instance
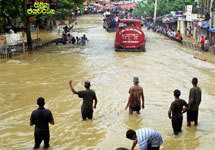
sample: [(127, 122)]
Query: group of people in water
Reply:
[(148, 139), (69, 38)]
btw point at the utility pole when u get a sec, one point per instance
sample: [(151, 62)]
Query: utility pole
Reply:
[(211, 22), (211, 14), (155, 11)]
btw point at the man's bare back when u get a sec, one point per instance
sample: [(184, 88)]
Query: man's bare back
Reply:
[(136, 93)]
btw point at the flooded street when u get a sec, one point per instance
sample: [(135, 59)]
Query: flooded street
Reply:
[(164, 67)]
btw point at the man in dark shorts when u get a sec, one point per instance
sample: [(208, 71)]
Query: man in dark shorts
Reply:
[(136, 93), (176, 111), (41, 118), (88, 96), (194, 102)]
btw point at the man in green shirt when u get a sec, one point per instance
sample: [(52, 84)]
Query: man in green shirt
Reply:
[(88, 96), (194, 102)]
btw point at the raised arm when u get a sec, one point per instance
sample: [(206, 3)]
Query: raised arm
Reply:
[(71, 87)]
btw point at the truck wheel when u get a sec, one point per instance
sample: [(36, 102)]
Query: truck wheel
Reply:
[(143, 49)]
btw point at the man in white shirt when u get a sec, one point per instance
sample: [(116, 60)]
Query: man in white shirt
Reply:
[(148, 139)]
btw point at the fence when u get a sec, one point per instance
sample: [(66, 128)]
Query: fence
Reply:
[(9, 50), (191, 45)]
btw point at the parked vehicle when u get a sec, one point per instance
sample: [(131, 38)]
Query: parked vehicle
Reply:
[(129, 36), (109, 22)]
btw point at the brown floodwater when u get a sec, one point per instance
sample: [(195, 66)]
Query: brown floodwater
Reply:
[(164, 67)]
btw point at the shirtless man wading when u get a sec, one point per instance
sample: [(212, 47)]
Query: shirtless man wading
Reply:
[(136, 92)]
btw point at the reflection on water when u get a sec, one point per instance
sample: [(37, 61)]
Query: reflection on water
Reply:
[(186, 140), (165, 66)]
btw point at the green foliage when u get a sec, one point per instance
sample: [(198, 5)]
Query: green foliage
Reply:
[(12, 11), (213, 6), (146, 8), (65, 8)]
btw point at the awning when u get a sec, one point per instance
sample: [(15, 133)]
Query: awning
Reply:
[(212, 30), (206, 25), (166, 20), (173, 20), (129, 6), (100, 6)]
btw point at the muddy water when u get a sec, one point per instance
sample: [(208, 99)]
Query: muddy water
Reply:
[(165, 66)]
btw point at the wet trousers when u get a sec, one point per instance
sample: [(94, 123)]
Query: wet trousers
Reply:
[(192, 115), (177, 124), (38, 139)]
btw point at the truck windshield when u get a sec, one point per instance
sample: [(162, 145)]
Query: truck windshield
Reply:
[(126, 24)]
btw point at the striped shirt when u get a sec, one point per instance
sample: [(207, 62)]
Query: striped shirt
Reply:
[(148, 137)]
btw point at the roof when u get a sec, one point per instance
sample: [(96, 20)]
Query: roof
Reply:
[(129, 20), (206, 25), (212, 30)]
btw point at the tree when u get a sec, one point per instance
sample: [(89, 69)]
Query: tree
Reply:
[(10, 11), (13, 13), (146, 8), (66, 7)]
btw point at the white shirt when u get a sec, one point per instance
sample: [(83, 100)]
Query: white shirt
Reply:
[(106, 14), (147, 136), (116, 19)]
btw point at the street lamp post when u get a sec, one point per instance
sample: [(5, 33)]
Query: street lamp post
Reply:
[(155, 11), (211, 19)]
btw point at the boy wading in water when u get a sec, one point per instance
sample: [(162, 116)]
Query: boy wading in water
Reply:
[(136, 93), (176, 111)]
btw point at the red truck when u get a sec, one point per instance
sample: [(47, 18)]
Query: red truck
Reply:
[(129, 36)]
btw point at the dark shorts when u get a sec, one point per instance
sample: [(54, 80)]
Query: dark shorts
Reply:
[(38, 138), (192, 115), (202, 46), (87, 114), (136, 108), (152, 148)]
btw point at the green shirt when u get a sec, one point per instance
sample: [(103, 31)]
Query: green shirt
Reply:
[(177, 107), (88, 97), (195, 94)]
